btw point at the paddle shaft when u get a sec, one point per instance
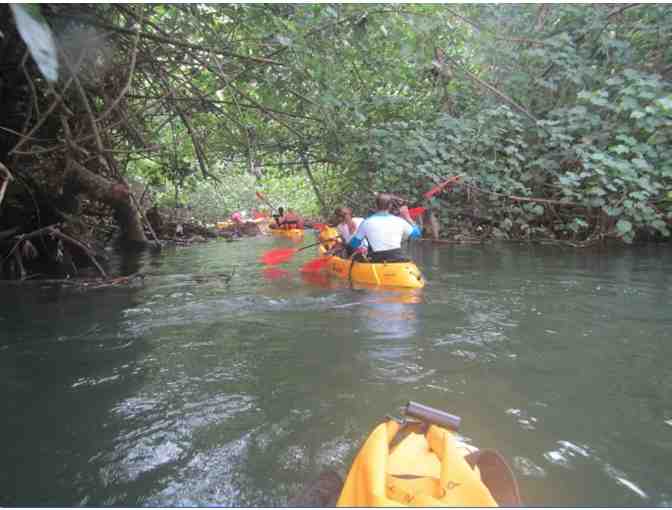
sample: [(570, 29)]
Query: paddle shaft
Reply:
[(405, 201), (315, 244)]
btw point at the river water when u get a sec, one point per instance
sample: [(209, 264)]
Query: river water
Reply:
[(201, 390)]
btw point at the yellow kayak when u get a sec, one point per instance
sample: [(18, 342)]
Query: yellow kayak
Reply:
[(224, 224), (386, 274), (423, 463), (288, 232), (417, 462)]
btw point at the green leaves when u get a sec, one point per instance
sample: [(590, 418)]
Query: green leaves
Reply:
[(623, 227), (355, 84)]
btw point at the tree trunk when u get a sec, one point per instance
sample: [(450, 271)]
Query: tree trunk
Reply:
[(304, 160), (429, 220), (116, 195), (436, 226)]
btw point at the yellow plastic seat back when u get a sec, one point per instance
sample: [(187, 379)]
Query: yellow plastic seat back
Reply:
[(423, 470)]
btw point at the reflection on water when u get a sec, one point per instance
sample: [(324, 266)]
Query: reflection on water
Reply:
[(389, 314), (219, 382)]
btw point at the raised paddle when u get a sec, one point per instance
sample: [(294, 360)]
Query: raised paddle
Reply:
[(280, 255), (414, 212), (440, 187)]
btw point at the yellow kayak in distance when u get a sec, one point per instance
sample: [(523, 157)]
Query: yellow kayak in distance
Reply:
[(417, 461), (288, 232), (221, 225), (385, 274)]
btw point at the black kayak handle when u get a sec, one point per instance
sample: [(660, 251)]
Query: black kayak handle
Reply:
[(432, 415)]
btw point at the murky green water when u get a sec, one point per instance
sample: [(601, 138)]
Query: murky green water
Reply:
[(199, 391)]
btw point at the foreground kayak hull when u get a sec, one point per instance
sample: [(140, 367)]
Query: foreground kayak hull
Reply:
[(429, 467), (421, 462), (385, 274)]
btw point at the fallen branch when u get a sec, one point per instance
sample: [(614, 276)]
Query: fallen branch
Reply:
[(53, 231), (82, 283), (5, 181), (19, 264), (5, 234), (81, 246), (144, 217), (524, 199), (450, 241)]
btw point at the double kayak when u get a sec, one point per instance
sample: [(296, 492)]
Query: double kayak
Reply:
[(385, 274), (419, 461)]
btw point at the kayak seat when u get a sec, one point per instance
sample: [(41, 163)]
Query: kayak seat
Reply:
[(495, 472)]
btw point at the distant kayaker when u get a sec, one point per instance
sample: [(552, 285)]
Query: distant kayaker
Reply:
[(277, 216), (347, 226), (385, 231), (290, 220), (237, 218)]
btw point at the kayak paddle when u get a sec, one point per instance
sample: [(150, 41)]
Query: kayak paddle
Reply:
[(414, 212), (280, 255), (439, 187)]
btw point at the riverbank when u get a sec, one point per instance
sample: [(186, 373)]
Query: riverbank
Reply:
[(79, 249)]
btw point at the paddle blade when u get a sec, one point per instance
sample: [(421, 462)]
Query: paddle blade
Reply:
[(315, 265), (277, 256), (439, 187), (414, 212)]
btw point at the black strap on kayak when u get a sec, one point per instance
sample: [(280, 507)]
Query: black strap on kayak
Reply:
[(497, 476)]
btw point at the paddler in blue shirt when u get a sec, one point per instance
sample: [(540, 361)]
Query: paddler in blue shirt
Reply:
[(385, 232)]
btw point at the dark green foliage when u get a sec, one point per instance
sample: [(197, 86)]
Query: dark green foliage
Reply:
[(559, 116)]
